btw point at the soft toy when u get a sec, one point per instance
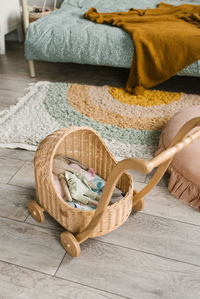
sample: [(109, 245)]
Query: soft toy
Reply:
[(80, 189)]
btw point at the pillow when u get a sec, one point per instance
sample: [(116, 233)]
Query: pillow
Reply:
[(184, 170)]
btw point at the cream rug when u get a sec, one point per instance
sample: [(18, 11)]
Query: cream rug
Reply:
[(128, 128)]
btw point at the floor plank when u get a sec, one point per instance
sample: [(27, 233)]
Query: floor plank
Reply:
[(13, 85), (49, 222), (13, 97), (9, 167), (163, 182), (20, 283), (19, 154), (137, 176), (14, 202), (30, 246), (159, 202), (159, 236), (24, 177), (131, 273)]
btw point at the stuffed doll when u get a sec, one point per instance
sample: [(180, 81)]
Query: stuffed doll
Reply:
[(80, 189)]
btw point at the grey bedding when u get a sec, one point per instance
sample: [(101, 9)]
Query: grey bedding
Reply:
[(65, 36)]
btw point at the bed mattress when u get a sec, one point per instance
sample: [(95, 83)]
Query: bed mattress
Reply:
[(65, 36)]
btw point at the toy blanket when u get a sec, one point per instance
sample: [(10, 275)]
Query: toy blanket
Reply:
[(98, 185)]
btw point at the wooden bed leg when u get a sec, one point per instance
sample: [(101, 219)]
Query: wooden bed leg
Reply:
[(31, 68), (26, 24)]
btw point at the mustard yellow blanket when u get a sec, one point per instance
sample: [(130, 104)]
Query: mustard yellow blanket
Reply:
[(154, 33)]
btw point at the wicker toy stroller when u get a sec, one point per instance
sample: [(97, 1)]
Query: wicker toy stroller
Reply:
[(85, 145)]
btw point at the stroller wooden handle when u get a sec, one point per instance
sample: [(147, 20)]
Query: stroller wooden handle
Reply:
[(162, 161)]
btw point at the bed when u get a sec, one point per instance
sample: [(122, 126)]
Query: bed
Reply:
[(65, 36)]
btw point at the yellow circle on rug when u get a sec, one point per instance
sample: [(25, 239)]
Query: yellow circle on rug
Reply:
[(149, 98)]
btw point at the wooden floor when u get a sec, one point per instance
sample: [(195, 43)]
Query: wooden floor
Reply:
[(155, 254)]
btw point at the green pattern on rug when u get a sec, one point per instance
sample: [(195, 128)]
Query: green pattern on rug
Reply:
[(68, 116), (128, 130)]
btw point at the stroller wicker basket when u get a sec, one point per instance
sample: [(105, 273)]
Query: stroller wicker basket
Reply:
[(85, 145)]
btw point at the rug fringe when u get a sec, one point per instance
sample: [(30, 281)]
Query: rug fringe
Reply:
[(31, 90), (32, 113), (19, 145)]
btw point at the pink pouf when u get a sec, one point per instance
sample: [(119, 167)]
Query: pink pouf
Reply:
[(184, 170)]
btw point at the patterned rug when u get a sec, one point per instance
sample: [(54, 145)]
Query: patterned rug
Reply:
[(130, 125)]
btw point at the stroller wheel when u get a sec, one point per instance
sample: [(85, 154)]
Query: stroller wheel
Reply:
[(70, 244), (139, 205), (36, 211)]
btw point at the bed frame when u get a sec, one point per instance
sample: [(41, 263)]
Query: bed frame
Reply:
[(26, 22), (25, 14)]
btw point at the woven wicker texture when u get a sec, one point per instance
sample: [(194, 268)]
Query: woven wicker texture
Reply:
[(33, 16), (86, 146)]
